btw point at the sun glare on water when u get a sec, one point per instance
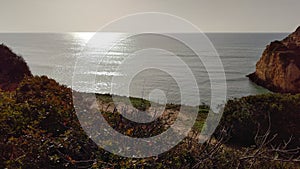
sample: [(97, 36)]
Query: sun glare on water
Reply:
[(98, 38), (84, 36)]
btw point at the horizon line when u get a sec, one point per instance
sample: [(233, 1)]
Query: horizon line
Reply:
[(59, 32)]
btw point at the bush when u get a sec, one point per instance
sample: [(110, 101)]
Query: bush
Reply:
[(39, 127), (253, 116), (13, 69)]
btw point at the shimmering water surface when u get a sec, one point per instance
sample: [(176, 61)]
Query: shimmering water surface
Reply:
[(54, 55)]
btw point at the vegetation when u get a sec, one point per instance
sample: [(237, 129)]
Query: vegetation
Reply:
[(39, 129), (251, 117), (13, 69)]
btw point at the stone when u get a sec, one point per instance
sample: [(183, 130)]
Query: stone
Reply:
[(279, 67)]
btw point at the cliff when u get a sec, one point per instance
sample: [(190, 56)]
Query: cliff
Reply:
[(13, 69), (279, 67)]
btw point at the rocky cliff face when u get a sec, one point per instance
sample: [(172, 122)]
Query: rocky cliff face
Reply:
[(279, 67), (13, 69)]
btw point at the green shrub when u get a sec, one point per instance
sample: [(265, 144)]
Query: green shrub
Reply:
[(246, 116), (39, 129), (13, 69)]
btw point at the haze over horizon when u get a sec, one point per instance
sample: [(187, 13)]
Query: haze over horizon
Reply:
[(89, 16)]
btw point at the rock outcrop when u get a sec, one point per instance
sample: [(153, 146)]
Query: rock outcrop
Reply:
[(279, 67), (13, 69)]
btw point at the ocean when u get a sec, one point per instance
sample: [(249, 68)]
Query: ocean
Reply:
[(56, 54)]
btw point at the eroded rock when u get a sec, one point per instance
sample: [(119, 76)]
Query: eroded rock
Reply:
[(279, 67)]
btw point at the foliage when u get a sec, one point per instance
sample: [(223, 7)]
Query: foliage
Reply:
[(250, 117), (13, 69), (39, 129)]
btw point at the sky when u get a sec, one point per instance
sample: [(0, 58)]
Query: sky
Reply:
[(90, 15)]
